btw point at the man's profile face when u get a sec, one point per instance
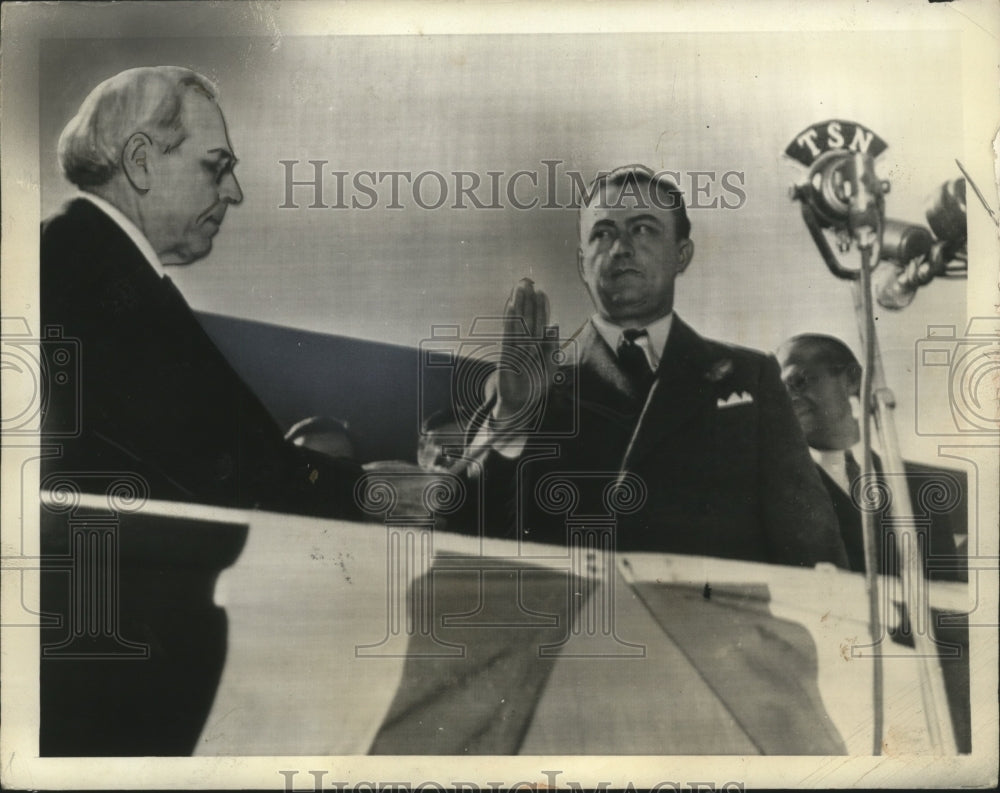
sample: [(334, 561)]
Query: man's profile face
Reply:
[(630, 256), (192, 185), (821, 395)]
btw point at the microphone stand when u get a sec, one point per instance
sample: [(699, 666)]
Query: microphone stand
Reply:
[(878, 402)]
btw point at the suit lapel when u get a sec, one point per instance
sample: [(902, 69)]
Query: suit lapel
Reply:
[(681, 393), (849, 519), (125, 286), (603, 388), (122, 280)]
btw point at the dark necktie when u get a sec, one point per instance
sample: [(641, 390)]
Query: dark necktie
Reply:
[(633, 362), (852, 469)]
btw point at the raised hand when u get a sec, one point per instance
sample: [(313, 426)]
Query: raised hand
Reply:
[(526, 357)]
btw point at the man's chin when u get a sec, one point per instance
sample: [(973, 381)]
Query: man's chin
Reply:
[(626, 306), (813, 432), (189, 255), (805, 418)]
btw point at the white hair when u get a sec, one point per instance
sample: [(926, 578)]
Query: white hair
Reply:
[(146, 99)]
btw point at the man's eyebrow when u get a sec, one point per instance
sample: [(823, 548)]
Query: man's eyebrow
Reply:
[(644, 219)]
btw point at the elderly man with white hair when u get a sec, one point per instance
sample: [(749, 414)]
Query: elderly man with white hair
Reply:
[(151, 155)]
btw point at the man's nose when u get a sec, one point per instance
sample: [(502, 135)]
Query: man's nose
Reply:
[(622, 245), (231, 192)]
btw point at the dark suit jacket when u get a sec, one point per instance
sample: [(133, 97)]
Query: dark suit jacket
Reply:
[(725, 467), (155, 396), (939, 497)]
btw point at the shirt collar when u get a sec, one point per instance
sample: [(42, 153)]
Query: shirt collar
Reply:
[(657, 338), (130, 229), (834, 458)]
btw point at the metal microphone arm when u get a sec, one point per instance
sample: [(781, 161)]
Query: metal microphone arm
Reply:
[(866, 221), (878, 403), (829, 257)]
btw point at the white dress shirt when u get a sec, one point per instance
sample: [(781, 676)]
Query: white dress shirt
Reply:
[(651, 344), (832, 461)]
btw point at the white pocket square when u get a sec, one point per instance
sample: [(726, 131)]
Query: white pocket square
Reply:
[(734, 399)]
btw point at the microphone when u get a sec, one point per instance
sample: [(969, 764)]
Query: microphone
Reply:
[(904, 241), (904, 267), (865, 200), (946, 212), (895, 285), (911, 257), (946, 215)]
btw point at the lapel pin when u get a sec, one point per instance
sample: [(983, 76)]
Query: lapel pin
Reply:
[(719, 370)]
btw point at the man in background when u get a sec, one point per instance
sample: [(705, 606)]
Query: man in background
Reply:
[(705, 427), (823, 378), (151, 155)]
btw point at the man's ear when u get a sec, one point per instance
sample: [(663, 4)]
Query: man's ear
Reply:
[(579, 262), (135, 161), (685, 251)]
